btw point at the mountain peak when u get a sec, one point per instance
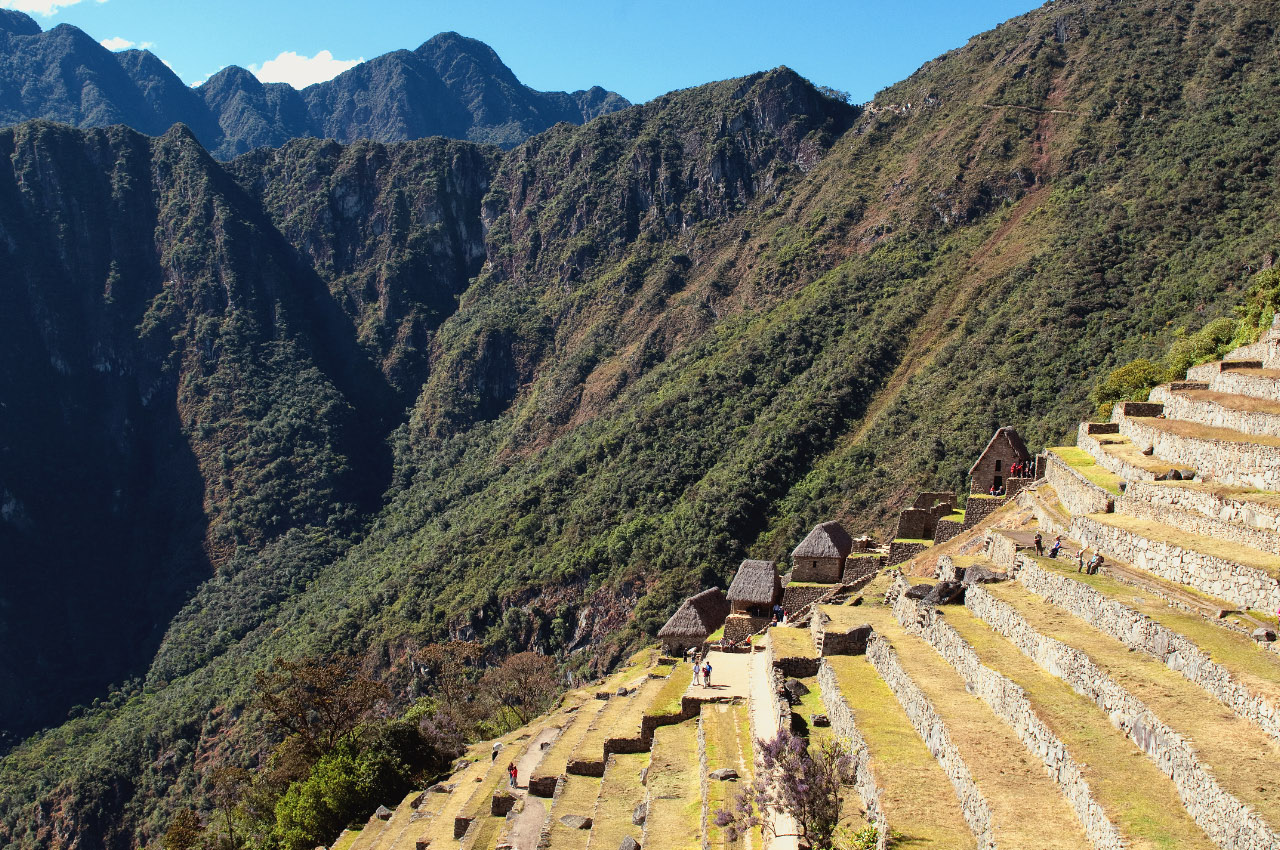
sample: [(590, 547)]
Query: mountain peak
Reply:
[(17, 23)]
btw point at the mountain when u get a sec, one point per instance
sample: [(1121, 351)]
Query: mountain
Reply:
[(357, 398), (450, 86)]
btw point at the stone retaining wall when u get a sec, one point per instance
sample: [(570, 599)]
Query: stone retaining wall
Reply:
[(1223, 508), (1242, 384), (946, 529), (1140, 632), (794, 598), (1108, 461), (1002, 550), (976, 810), (1077, 494), (737, 628), (1226, 820), (1197, 523), (1010, 704), (704, 780), (1245, 586), (1049, 520), (976, 510), (862, 569), (846, 732), (1239, 464), (901, 552), (1206, 412)]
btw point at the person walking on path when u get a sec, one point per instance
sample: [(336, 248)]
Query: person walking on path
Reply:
[(1039, 541), (512, 772)]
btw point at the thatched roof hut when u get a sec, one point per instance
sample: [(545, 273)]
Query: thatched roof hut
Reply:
[(756, 584), (827, 540), (697, 618)]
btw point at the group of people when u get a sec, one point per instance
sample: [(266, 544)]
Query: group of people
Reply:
[(1053, 550), (993, 490), (1090, 567), (1022, 469)]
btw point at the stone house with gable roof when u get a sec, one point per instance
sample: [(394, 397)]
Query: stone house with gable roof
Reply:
[(991, 469)]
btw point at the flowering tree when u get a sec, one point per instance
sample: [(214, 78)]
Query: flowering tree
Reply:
[(796, 781)]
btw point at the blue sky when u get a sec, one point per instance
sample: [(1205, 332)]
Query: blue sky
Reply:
[(640, 50)]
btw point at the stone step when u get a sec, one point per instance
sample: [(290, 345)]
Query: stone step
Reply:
[(1220, 410), (543, 781), (1221, 455), (673, 790), (725, 742), (619, 719), (1213, 756), (621, 794), (1227, 664), (895, 768), (1239, 574), (1006, 773), (1134, 794), (1238, 378)]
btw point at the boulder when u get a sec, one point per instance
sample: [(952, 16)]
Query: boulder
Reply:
[(946, 593), (723, 774), (383, 813), (639, 813), (982, 575), (795, 689), (603, 695), (918, 591), (576, 821), (440, 788), (820, 720), (629, 843), (622, 691), (1263, 635)]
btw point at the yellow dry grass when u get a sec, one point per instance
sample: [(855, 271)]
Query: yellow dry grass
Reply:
[(1196, 431), (919, 801), (1233, 402), (578, 798), (1122, 448), (619, 719), (1011, 778), (728, 745), (553, 763), (1140, 800), (1085, 464), (1234, 750), (620, 792), (791, 642), (1150, 530), (438, 831), (675, 793)]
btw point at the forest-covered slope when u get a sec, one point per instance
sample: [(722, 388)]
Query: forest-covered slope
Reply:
[(554, 389)]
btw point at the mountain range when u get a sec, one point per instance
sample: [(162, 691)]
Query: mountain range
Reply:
[(358, 397), (450, 86)]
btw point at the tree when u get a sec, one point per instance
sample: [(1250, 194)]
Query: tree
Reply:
[(229, 787), (797, 781), (523, 686), (451, 667), (320, 703), (184, 832)]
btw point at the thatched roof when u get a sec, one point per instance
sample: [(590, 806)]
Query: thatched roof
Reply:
[(1008, 434), (828, 540), (698, 617), (756, 583)]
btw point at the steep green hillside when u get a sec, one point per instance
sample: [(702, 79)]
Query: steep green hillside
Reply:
[(682, 333)]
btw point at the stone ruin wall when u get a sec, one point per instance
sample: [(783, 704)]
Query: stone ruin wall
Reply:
[(900, 552), (1010, 703), (1178, 406), (974, 807), (946, 529), (1140, 632), (738, 628), (1239, 464), (818, 569), (846, 731), (1229, 382), (1076, 493), (795, 598), (1227, 821), (1234, 511), (978, 509), (1197, 523), (1219, 577), (916, 524), (1085, 441)]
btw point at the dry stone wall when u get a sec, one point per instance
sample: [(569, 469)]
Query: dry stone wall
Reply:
[(976, 810), (1238, 464), (1226, 820), (846, 731), (1236, 382), (1140, 632), (1197, 523), (795, 597), (1224, 508), (978, 508), (1077, 494), (1108, 461), (946, 529), (1010, 704), (1245, 586), (1205, 412), (900, 552), (1049, 520)]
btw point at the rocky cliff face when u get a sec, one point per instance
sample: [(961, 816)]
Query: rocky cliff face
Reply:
[(450, 86)]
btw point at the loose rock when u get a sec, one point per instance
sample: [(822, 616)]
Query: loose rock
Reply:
[(629, 843), (1262, 634), (383, 813), (723, 774), (576, 821), (639, 814)]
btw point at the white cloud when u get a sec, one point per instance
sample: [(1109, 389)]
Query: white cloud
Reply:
[(46, 8), (116, 43), (302, 71)]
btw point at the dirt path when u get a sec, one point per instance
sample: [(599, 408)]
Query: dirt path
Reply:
[(730, 676), (526, 828), (766, 726)]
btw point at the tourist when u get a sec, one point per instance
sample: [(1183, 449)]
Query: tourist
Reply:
[(706, 674), (1095, 563), (497, 745), (1080, 560), (511, 772), (1057, 545), (1039, 544)]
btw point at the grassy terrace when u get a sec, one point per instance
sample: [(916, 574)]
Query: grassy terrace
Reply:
[(620, 792), (397, 824), (844, 617), (1140, 800), (1234, 402), (918, 799), (1224, 491), (347, 839), (1256, 668), (578, 798), (479, 801), (1196, 431), (1234, 750), (675, 792), (791, 642), (438, 830), (1244, 555), (553, 763), (1012, 779), (1122, 448), (1085, 464), (921, 540), (667, 699), (728, 738), (619, 718)]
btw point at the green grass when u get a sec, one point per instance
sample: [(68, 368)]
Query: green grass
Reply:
[(345, 841), (1085, 464), (718, 634), (921, 540), (620, 792), (675, 793), (791, 642), (667, 700), (1137, 797), (578, 798), (727, 746)]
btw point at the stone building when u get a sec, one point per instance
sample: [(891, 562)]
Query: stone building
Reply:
[(755, 589), (992, 466), (820, 556), (695, 620)]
